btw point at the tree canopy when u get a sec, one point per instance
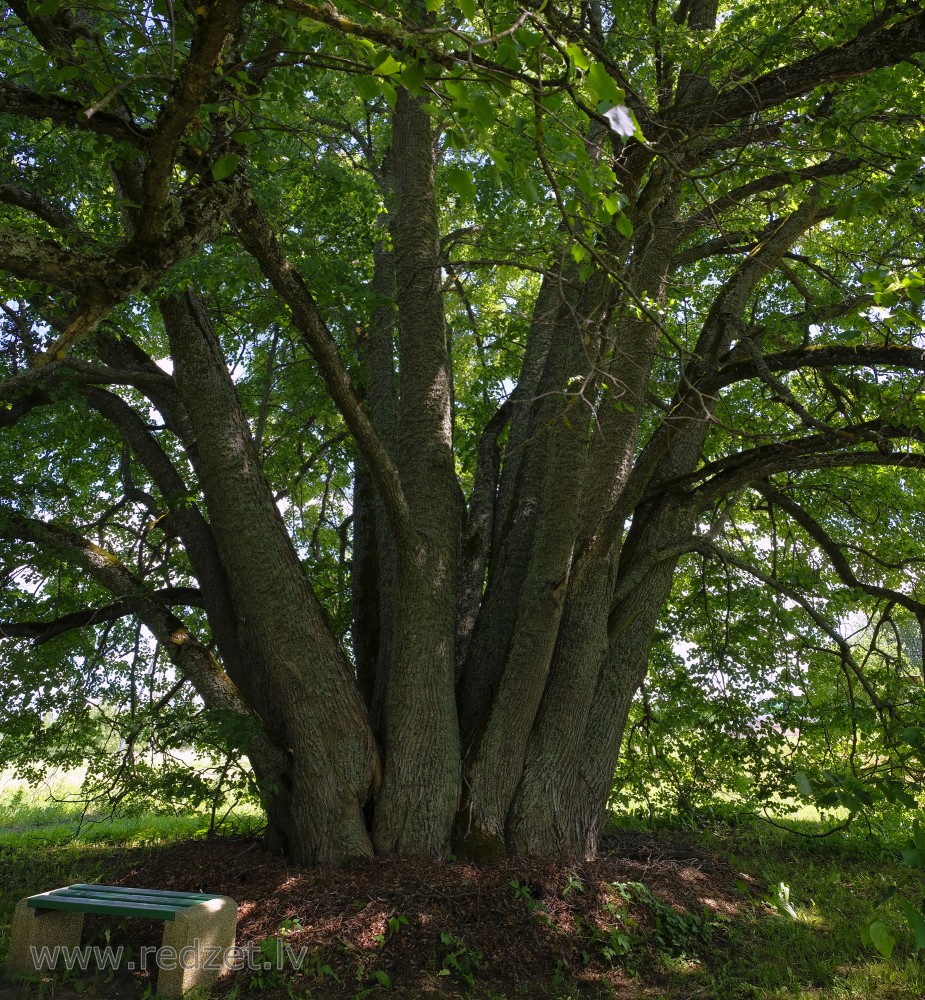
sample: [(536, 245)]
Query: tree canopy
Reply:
[(386, 388)]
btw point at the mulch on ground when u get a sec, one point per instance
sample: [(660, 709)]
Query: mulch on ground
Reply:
[(515, 928)]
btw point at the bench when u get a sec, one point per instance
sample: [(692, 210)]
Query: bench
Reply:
[(199, 929)]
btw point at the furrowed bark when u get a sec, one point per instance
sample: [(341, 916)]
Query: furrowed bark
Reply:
[(495, 760), (538, 817), (383, 405), (660, 531), (518, 506), (334, 756), (420, 788)]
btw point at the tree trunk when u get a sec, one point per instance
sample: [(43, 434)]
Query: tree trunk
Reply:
[(420, 788), (334, 761)]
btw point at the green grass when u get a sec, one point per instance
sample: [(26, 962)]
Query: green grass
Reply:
[(836, 884), (48, 839)]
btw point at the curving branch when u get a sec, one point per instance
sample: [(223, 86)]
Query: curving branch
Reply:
[(21, 102), (762, 462), (711, 549), (832, 167), (41, 632), (832, 356), (258, 239), (54, 215), (188, 653), (833, 550), (874, 47)]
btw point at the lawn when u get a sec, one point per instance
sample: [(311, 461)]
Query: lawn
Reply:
[(727, 909)]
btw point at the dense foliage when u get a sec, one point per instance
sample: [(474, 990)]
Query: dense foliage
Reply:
[(386, 389)]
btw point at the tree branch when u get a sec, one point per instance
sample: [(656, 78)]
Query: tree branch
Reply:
[(869, 50), (831, 548), (42, 632), (258, 238)]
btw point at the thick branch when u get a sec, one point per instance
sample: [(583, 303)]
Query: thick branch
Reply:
[(42, 632), (215, 22), (823, 357), (21, 102), (869, 50), (55, 216)]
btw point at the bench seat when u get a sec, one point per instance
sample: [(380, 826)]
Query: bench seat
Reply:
[(199, 929)]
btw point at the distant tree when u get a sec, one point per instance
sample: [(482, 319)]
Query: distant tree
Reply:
[(371, 372)]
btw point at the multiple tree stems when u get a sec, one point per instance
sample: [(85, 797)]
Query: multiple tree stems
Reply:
[(498, 641)]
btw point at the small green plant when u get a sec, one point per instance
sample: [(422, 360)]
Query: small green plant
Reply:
[(675, 931), (779, 898), (275, 961), (609, 942), (459, 961), (572, 884), (382, 981), (395, 925), (535, 907)]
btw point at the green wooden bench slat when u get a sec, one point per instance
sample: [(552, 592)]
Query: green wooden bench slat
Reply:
[(157, 904), (72, 904), (120, 892), (87, 894), (128, 888)]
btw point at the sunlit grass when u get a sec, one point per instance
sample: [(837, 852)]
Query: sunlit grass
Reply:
[(835, 885)]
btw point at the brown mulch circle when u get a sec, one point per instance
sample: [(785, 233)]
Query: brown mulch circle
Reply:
[(516, 928)]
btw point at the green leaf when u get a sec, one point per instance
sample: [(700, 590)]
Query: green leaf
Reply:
[(388, 92), (433, 5), (913, 736), (612, 203), (918, 836), (805, 786), (225, 166), (602, 85), (881, 938), (916, 921), (468, 7), (482, 109), (456, 89), (459, 179), (367, 87), (389, 66), (577, 56), (412, 76), (624, 226)]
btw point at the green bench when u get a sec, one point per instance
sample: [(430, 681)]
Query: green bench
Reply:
[(199, 930)]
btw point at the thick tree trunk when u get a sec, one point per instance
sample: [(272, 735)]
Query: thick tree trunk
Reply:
[(334, 760), (420, 788), (495, 759), (379, 547)]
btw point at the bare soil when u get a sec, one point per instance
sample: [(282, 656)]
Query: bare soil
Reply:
[(517, 928)]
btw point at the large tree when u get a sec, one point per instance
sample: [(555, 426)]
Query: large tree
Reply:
[(377, 365)]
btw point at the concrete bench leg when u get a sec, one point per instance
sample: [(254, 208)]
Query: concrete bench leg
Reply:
[(38, 930), (194, 946)]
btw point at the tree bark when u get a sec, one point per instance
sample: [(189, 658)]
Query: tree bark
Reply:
[(420, 787), (334, 758)]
